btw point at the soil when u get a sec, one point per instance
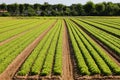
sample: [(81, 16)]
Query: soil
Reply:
[(11, 70), (67, 65), (19, 34), (75, 70)]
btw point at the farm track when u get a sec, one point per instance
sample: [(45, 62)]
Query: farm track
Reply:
[(73, 59), (67, 65), (10, 71), (20, 34), (110, 53)]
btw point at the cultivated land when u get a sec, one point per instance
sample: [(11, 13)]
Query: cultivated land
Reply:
[(59, 48)]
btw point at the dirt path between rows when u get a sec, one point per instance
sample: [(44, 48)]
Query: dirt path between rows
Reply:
[(19, 34), (10, 71), (67, 65)]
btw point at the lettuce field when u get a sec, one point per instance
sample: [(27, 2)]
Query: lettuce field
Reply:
[(59, 48)]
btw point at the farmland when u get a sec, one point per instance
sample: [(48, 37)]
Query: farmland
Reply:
[(59, 48)]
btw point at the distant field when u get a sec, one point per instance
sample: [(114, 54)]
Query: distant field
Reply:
[(59, 48)]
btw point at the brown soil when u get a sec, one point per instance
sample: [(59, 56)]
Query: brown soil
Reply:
[(10, 71), (73, 59), (38, 78), (67, 65), (19, 34), (98, 77)]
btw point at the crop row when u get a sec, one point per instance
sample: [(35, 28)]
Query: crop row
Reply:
[(106, 23), (108, 29), (16, 25), (10, 50), (109, 40), (47, 51), (10, 33), (87, 50)]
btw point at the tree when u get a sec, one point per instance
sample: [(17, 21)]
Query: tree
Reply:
[(74, 11), (89, 8), (67, 11), (37, 6), (77, 9), (26, 6), (31, 11), (100, 8), (116, 10), (112, 9), (21, 9), (3, 6), (13, 9)]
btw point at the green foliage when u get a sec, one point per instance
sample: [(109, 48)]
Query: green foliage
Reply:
[(46, 9), (112, 65)]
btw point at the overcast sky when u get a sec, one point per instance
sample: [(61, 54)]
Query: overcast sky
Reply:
[(66, 2)]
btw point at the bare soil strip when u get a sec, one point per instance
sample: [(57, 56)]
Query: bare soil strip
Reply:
[(75, 71), (67, 65), (37, 77), (10, 71), (98, 77), (19, 34)]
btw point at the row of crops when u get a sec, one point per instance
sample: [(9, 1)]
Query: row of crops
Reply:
[(111, 30), (46, 58), (17, 27), (109, 40), (11, 50), (91, 59)]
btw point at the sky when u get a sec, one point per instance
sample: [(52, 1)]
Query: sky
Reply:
[(66, 2)]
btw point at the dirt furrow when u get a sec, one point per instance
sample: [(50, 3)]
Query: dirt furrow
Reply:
[(19, 34), (10, 71), (67, 65)]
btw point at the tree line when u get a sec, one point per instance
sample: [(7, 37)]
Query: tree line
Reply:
[(46, 9)]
